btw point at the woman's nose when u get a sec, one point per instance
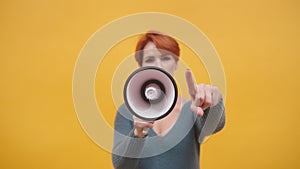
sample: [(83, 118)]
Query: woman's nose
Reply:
[(158, 63)]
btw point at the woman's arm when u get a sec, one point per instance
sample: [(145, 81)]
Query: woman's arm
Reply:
[(127, 147), (212, 121), (207, 104)]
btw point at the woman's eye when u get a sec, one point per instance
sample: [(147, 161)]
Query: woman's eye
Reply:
[(166, 58), (149, 60)]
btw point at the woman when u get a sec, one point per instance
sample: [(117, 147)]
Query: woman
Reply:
[(172, 142)]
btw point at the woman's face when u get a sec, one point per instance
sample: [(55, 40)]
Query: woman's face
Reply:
[(159, 58)]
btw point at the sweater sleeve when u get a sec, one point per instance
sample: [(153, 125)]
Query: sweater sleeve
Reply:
[(211, 122), (127, 147)]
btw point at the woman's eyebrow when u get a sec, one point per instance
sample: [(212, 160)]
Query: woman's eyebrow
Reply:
[(165, 54), (149, 56)]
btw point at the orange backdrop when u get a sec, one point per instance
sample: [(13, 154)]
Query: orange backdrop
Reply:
[(258, 44)]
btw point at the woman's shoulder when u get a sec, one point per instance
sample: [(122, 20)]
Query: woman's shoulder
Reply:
[(124, 111), (122, 108)]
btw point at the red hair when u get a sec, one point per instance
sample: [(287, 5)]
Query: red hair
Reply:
[(161, 41)]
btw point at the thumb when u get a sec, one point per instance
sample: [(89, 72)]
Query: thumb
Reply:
[(198, 110)]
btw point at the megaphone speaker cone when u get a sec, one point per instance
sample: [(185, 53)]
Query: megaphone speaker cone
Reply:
[(150, 93)]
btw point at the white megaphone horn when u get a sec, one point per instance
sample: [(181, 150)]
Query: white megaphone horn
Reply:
[(150, 93)]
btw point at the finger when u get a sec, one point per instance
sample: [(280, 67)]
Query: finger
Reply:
[(208, 97), (139, 123), (198, 110), (216, 96), (200, 96), (143, 124), (190, 83)]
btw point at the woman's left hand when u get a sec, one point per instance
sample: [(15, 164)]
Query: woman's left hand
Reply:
[(203, 95)]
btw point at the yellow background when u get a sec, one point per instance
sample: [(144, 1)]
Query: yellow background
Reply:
[(257, 41)]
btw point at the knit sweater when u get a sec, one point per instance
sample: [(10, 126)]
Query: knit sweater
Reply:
[(178, 149)]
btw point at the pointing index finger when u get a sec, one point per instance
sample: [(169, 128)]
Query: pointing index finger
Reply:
[(191, 83)]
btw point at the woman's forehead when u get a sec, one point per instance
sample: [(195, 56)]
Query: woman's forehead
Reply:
[(151, 50)]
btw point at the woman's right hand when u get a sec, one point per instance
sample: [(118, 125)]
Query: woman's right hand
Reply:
[(140, 126)]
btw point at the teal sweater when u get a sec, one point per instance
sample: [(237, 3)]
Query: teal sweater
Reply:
[(178, 149)]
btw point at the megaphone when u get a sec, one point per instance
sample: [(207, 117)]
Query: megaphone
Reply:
[(150, 93)]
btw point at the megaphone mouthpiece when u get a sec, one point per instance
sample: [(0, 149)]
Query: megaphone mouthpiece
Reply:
[(153, 91)]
